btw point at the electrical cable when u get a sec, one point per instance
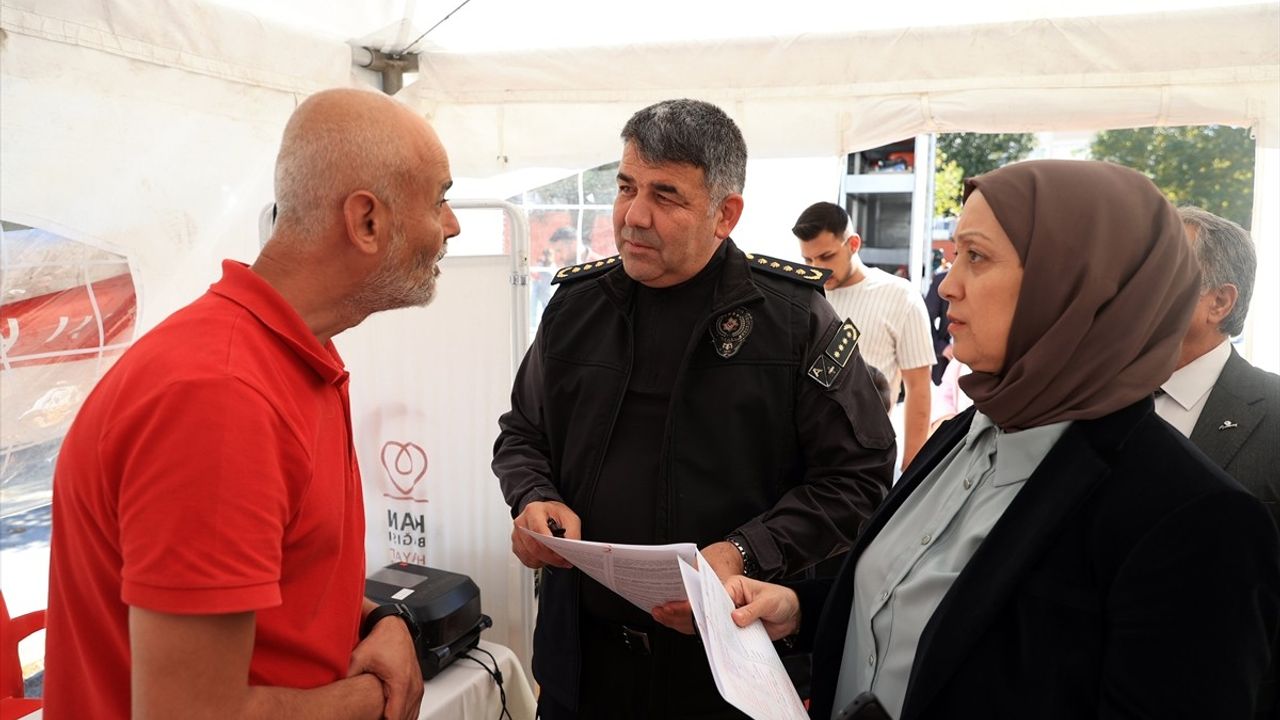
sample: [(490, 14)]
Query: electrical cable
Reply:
[(495, 674), (409, 48)]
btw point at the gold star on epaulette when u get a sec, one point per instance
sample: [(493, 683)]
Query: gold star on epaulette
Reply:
[(795, 271), (828, 365), (586, 269), (842, 345)]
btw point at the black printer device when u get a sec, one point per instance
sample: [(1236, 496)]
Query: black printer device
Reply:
[(445, 607)]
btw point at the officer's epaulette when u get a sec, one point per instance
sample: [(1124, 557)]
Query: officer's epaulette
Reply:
[(586, 269), (796, 271)]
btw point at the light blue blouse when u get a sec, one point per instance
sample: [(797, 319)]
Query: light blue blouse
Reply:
[(904, 573)]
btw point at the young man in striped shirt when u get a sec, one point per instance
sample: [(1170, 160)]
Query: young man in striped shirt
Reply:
[(888, 311)]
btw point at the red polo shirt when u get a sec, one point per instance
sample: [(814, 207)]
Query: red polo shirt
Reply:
[(210, 471)]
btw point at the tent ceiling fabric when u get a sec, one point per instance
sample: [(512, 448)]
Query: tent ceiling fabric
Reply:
[(519, 25), (798, 96), (188, 35), (824, 95)]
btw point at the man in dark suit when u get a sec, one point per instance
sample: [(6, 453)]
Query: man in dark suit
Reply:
[(1229, 408)]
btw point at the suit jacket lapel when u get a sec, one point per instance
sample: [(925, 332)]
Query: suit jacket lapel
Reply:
[(1064, 480), (1233, 399)]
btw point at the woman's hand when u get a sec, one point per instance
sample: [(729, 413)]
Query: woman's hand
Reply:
[(776, 606)]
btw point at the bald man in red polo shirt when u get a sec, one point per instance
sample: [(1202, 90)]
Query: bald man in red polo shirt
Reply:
[(208, 532)]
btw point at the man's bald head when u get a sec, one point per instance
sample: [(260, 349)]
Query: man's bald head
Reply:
[(341, 141)]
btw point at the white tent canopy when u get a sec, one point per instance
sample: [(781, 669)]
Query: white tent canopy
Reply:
[(796, 95), (826, 95)]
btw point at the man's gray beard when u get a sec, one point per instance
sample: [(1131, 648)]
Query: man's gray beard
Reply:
[(393, 287)]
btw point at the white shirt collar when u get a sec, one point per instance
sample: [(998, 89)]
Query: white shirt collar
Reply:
[(1194, 380)]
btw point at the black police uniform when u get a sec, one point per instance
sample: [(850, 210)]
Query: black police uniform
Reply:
[(732, 404)]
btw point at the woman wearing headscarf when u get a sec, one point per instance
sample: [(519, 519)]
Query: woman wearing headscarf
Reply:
[(1056, 551)]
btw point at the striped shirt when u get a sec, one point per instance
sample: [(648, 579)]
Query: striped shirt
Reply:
[(893, 321)]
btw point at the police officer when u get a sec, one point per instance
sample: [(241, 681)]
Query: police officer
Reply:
[(681, 391)]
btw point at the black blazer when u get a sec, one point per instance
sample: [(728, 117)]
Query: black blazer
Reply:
[(1128, 578), (1239, 429)]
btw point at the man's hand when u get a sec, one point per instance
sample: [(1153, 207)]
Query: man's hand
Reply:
[(724, 558), (388, 653), (534, 518), (726, 561), (676, 615), (778, 607)]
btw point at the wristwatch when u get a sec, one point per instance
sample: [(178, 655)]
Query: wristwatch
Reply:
[(749, 566), (399, 610)]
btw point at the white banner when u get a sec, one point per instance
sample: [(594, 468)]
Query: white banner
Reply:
[(427, 386)]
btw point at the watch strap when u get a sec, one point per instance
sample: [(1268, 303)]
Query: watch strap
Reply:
[(399, 610), (749, 566)]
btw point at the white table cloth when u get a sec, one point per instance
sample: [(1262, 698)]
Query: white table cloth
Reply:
[(464, 691)]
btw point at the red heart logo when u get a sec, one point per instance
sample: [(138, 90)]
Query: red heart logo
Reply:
[(407, 466)]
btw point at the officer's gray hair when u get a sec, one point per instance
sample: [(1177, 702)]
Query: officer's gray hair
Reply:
[(694, 133), (1226, 256)]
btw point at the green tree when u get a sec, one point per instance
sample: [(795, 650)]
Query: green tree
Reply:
[(948, 185), (973, 154), (1210, 166)]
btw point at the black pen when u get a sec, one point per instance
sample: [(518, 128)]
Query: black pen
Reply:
[(554, 527)]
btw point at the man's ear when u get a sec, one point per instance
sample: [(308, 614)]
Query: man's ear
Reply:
[(1222, 300), (366, 220), (855, 243), (729, 213)]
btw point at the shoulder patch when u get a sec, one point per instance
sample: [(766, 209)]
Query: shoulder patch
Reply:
[(586, 269), (845, 340), (827, 366), (799, 272)]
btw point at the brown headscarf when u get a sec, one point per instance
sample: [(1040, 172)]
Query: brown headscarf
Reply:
[(1108, 287)]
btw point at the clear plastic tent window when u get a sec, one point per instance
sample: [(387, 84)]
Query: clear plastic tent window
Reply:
[(67, 311)]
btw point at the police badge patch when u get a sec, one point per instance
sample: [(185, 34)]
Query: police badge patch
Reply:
[(730, 331), (824, 371)]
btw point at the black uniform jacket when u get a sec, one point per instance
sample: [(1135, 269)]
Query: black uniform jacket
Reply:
[(752, 442), (1129, 578)]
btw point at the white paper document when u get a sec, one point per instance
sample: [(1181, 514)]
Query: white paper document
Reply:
[(646, 575), (746, 667)]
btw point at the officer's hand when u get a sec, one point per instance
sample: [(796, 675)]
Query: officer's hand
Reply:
[(778, 607), (388, 653), (534, 518), (676, 615), (724, 558), (726, 561)]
